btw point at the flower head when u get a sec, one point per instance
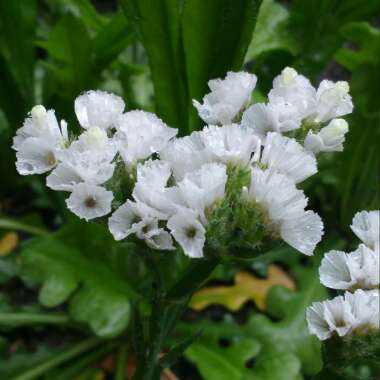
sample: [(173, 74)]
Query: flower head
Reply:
[(284, 206), (344, 315), (272, 117), (358, 269), (229, 144), (365, 225), (88, 159), (98, 109), (333, 100), (200, 189), (140, 134), (186, 154), (187, 230), (38, 141), (227, 97), (288, 157), (89, 201), (329, 138)]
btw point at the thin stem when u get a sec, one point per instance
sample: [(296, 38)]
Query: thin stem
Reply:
[(58, 359), (121, 362), (167, 310), (194, 277), (21, 319), (10, 224)]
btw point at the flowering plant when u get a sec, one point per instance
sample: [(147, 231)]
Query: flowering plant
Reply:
[(227, 192)]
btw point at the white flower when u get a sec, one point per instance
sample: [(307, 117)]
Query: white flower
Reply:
[(38, 140), (263, 118), (44, 125), (285, 208), (328, 317), (356, 313), (292, 88), (98, 109), (365, 225), (151, 187), (140, 134), (138, 218), (230, 143), (227, 97), (333, 100), (329, 138), (89, 201), (365, 308), (188, 232), (186, 154), (358, 269), (35, 156), (86, 160), (201, 188), (288, 157)]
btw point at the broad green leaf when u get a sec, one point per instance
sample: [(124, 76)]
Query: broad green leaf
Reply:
[(69, 44), (223, 363), (78, 261), (157, 23), (281, 341), (216, 35), (316, 24), (271, 31), (111, 40), (367, 37)]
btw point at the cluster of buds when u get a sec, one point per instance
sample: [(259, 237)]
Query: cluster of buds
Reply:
[(228, 188)]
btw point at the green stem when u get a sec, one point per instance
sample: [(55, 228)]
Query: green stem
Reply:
[(167, 310), (194, 277), (10, 224), (21, 319), (121, 362), (58, 359)]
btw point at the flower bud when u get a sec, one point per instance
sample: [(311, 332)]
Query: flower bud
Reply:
[(95, 136), (329, 138), (38, 113)]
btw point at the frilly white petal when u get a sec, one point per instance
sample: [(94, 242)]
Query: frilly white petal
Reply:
[(140, 134), (303, 233), (227, 97), (288, 157), (98, 109), (365, 225)]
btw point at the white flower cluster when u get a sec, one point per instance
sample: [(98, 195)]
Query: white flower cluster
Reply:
[(358, 271), (177, 183)]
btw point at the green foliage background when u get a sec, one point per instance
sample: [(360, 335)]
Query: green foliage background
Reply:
[(72, 279)]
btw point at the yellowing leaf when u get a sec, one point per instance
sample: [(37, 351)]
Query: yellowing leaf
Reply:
[(8, 242), (246, 287)]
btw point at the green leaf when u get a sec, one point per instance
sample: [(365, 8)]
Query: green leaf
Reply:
[(216, 35), (175, 352), (77, 260), (271, 31), (223, 363), (157, 23), (284, 350), (367, 37), (17, 31), (111, 40), (69, 44)]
